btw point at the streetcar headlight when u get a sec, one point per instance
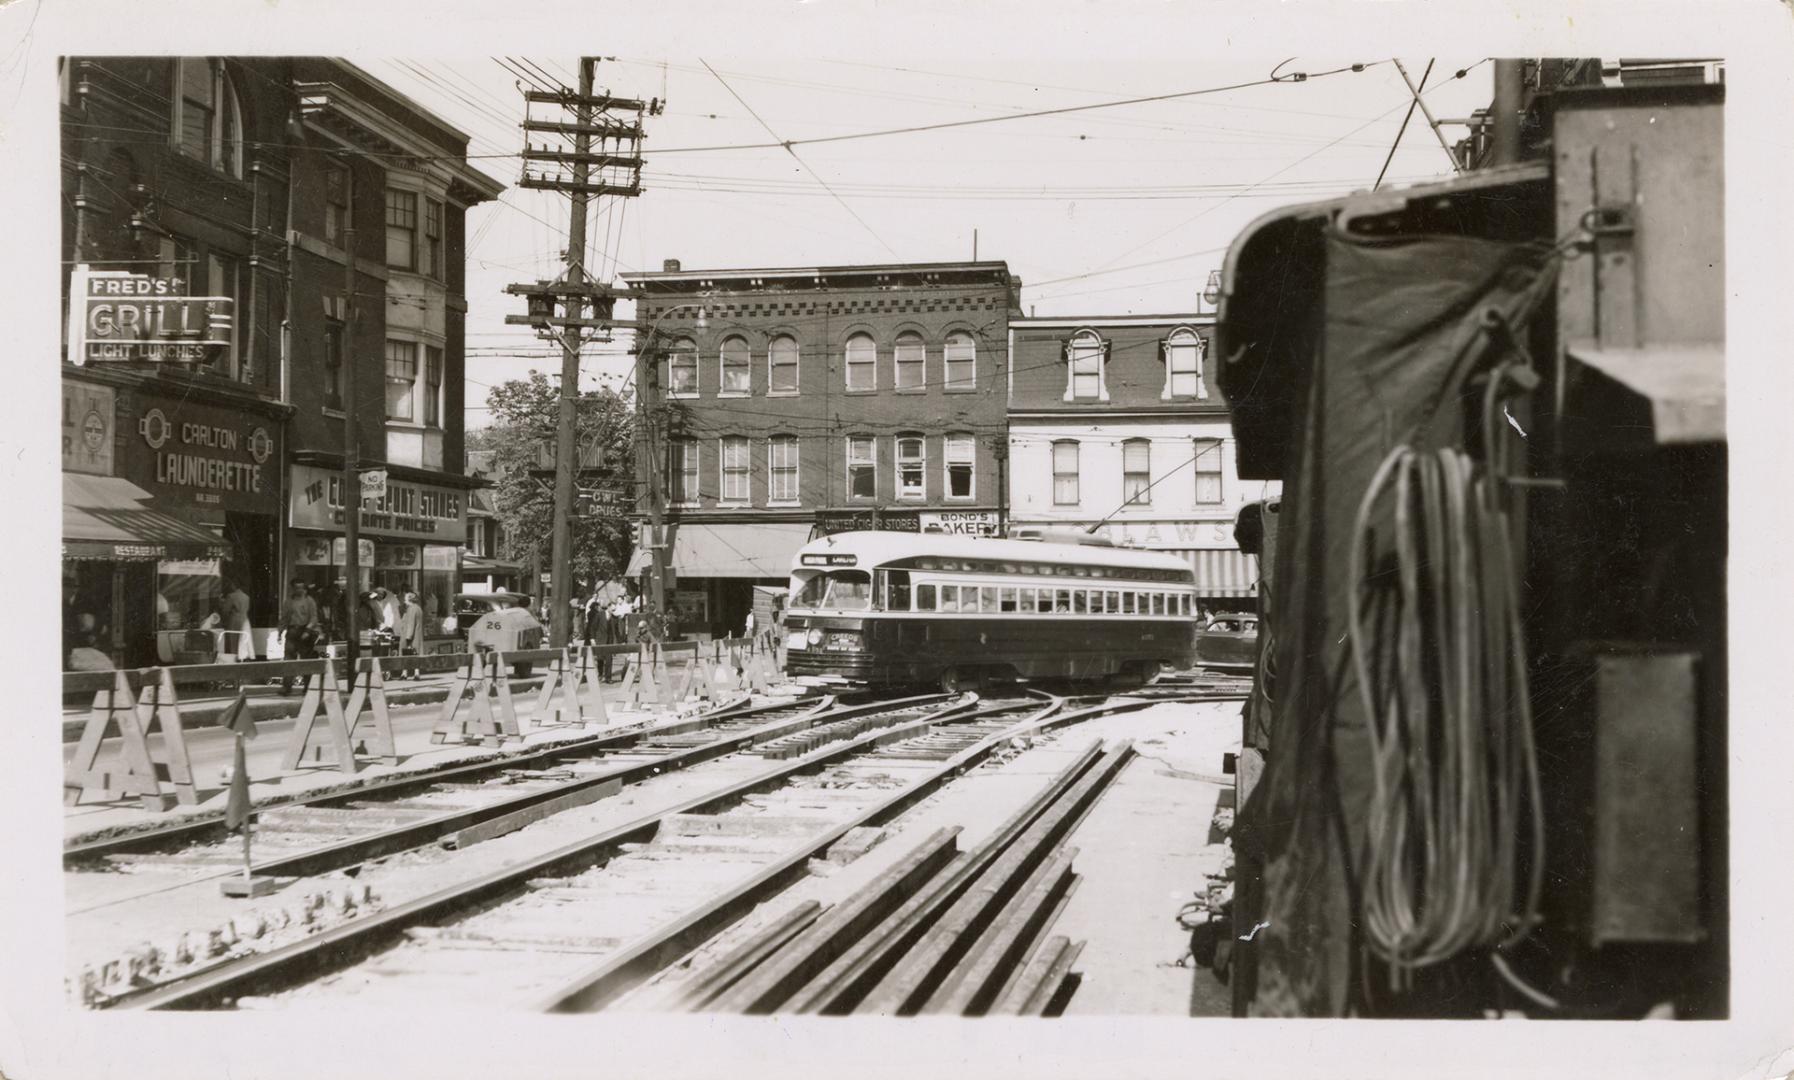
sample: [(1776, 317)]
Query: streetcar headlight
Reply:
[(815, 637)]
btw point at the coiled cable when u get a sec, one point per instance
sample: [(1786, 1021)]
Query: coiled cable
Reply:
[(1447, 707)]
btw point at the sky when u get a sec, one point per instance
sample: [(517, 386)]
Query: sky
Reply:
[(1115, 210)]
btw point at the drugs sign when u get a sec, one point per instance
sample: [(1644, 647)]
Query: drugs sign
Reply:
[(117, 316)]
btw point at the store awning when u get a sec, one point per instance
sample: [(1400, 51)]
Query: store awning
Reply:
[(757, 550), (1221, 571), (108, 517)]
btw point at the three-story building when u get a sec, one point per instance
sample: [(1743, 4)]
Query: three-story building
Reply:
[(213, 328), (1116, 426), (792, 401)]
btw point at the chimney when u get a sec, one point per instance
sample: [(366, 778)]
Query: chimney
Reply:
[(670, 266)]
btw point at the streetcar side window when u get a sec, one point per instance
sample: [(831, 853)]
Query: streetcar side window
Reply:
[(990, 597), (1025, 599), (1079, 602), (1127, 603), (924, 597), (1008, 603), (949, 598), (897, 590), (1062, 601), (1158, 603)]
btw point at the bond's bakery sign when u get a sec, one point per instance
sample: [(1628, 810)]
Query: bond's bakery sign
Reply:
[(409, 510), (116, 316), (199, 455)]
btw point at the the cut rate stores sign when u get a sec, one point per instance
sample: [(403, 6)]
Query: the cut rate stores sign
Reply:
[(116, 316)]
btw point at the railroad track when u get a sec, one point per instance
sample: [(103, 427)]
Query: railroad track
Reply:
[(223, 982), (632, 898), (463, 805)]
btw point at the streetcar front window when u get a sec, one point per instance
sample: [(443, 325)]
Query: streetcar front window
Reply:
[(837, 590)]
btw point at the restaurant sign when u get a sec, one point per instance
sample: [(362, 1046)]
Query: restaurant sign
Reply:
[(408, 509), (119, 316)]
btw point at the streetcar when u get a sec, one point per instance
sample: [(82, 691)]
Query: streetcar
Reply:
[(889, 608)]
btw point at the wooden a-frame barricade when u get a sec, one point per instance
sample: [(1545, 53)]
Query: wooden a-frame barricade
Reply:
[(139, 775), (488, 674), (335, 739)]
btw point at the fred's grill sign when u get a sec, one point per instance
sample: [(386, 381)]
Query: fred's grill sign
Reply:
[(117, 316)]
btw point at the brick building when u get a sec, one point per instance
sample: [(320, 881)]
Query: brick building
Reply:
[(1118, 419), (218, 190), (797, 400)]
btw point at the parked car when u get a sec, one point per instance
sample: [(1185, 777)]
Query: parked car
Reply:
[(1228, 642), (498, 622)]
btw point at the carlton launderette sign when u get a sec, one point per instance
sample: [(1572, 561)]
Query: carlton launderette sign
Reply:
[(204, 455), (116, 316)]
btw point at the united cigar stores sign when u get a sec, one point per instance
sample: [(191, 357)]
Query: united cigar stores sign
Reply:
[(409, 510), (193, 454), (116, 316)]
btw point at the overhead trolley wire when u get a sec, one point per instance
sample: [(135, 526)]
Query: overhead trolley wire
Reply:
[(786, 144)]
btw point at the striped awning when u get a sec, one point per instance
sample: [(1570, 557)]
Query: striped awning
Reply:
[(1222, 571)]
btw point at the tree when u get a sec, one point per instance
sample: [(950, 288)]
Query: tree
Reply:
[(525, 415)]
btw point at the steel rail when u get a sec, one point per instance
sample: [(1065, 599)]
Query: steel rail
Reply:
[(198, 827), (348, 942), (419, 833)]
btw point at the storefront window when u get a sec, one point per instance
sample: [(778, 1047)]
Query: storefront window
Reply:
[(187, 590), (437, 586)]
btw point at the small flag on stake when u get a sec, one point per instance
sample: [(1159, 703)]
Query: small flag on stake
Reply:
[(237, 809)]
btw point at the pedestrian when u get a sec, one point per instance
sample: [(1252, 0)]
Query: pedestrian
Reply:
[(85, 657), (747, 629), (411, 634), (299, 628), (234, 615)]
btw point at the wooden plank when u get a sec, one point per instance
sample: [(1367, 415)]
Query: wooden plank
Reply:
[(847, 923), (510, 823)]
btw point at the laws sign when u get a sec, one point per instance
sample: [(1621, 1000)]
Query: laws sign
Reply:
[(117, 316)]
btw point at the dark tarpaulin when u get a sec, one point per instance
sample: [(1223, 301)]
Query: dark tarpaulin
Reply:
[(1403, 328)]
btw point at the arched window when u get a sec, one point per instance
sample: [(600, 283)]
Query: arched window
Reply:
[(1065, 472), (781, 365), (959, 451), (862, 467), (1086, 355), (733, 453), (781, 469), (207, 120), (1183, 365), (961, 357), (736, 372), (862, 363), (912, 466), (682, 470), (682, 369), (912, 361)]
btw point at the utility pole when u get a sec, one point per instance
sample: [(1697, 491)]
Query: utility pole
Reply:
[(618, 166), (657, 551), (351, 434), (1510, 101)]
